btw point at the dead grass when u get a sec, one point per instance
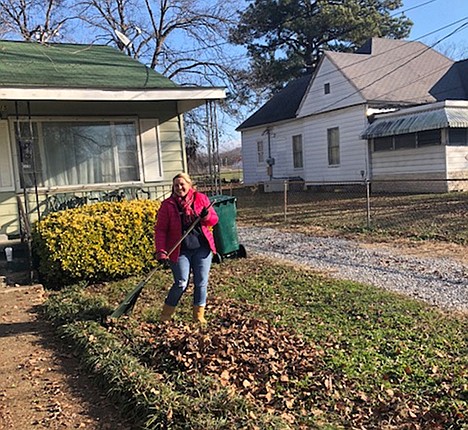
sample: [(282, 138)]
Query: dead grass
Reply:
[(440, 218)]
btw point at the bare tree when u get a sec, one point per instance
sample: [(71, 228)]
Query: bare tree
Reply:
[(182, 39), (34, 20), (185, 40)]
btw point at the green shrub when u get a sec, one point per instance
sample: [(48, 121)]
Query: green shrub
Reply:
[(102, 241)]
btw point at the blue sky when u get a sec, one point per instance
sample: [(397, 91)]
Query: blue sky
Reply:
[(431, 15)]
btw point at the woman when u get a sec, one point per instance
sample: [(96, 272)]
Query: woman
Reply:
[(175, 215)]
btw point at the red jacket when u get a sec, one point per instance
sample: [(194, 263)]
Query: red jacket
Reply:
[(168, 229)]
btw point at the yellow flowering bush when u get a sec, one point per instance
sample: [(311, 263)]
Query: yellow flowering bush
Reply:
[(102, 241)]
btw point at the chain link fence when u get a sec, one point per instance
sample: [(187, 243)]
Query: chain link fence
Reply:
[(368, 207)]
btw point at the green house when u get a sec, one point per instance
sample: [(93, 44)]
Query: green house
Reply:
[(85, 122)]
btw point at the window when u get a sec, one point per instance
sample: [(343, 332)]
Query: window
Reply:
[(326, 88), (260, 154), (62, 153), (458, 136), (409, 140), (383, 143), (333, 135), (429, 137), (405, 141), (297, 151)]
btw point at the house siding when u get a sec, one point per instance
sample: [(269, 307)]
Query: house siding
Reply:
[(281, 150), (9, 223), (457, 167), (353, 150), (410, 170), (253, 171), (172, 148), (342, 92)]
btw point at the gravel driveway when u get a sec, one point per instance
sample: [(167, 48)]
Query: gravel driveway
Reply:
[(442, 282)]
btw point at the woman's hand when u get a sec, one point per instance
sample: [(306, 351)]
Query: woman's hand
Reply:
[(204, 213)]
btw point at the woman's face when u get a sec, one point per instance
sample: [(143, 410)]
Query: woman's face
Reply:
[(181, 187)]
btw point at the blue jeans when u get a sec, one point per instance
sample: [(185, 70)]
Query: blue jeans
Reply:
[(197, 261)]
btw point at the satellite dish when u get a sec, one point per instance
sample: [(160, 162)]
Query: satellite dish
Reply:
[(124, 39)]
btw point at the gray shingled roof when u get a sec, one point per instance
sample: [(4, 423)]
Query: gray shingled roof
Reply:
[(387, 71), (396, 71), (454, 84), (282, 106)]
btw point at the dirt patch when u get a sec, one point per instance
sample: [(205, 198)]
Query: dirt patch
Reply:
[(41, 384), (423, 249)]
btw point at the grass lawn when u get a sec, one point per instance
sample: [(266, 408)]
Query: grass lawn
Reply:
[(284, 348)]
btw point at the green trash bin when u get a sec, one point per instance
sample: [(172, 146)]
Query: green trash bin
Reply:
[(225, 232)]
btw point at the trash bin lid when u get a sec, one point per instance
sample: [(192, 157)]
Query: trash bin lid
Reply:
[(219, 199)]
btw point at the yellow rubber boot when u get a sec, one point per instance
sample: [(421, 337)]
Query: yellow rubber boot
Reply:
[(199, 314), (167, 312)]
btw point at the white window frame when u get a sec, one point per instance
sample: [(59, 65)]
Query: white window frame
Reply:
[(260, 152), (150, 161), (333, 146), (297, 139)]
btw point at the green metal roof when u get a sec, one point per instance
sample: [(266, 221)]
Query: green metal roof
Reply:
[(31, 64), (449, 114)]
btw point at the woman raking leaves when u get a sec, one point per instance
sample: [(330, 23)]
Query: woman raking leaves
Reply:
[(195, 253)]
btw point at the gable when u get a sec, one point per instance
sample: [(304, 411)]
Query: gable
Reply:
[(341, 93)]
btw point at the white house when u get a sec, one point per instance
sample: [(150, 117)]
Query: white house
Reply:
[(313, 128)]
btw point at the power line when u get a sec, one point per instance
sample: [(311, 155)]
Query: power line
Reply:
[(395, 69), (414, 7)]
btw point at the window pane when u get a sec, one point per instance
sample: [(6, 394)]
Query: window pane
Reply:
[(458, 136), (260, 156), (383, 143), (89, 153), (297, 151), (405, 141), (429, 137), (333, 135), (128, 160)]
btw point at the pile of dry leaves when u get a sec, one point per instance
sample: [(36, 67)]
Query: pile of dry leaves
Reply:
[(249, 355), (276, 369)]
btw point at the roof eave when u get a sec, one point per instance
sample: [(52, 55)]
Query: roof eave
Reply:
[(265, 124), (123, 95)]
